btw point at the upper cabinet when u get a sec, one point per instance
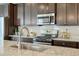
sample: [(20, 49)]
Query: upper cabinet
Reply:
[(27, 19), (15, 15), (12, 12), (78, 13), (72, 14), (67, 14), (30, 14), (24, 14), (45, 8), (38, 8), (51, 7), (61, 14), (27, 13), (33, 13), (20, 14)]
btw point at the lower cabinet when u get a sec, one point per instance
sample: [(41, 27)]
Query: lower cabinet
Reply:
[(78, 45), (65, 43)]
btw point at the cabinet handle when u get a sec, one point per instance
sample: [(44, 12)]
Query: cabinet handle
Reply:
[(63, 43)]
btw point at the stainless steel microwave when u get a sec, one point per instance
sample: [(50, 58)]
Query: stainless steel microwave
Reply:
[(44, 19)]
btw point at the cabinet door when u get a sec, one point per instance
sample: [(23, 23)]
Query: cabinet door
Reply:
[(33, 15), (71, 14), (20, 13), (11, 14), (45, 8), (41, 8), (65, 43), (15, 15), (78, 13), (51, 7), (27, 14), (61, 14), (24, 19), (6, 28), (78, 44)]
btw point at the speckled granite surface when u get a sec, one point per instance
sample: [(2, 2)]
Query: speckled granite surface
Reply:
[(50, 51)]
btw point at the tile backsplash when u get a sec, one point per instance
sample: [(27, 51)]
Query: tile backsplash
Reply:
[(74, 30), (42, 29)]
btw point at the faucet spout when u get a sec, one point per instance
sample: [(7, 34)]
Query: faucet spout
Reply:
[(25, 29)]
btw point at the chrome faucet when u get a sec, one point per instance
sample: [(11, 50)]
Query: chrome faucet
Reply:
[(19, 41), (26, 29)]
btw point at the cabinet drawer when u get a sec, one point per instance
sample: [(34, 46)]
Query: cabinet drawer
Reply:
[(65, 43), (58, 43), (71, 44)]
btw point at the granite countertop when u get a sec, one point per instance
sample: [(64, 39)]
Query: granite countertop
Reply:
[(51, 51), (17, 36)]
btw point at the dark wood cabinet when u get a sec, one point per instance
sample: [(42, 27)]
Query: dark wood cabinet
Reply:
[(45, 8), (6, 28), (33, 14), (61, 14), (78, 45), (51, 7), (15, 15), (71, 44), (71, 14), (67, 14), (12, 18), (65, 43), (12, 9), (27, 20), (78, 13), (11, 14), (31, 11)]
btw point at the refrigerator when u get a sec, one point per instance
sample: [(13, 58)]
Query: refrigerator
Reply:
[(1, 34)]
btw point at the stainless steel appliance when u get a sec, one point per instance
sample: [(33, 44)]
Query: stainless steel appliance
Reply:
[(46, 19)]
